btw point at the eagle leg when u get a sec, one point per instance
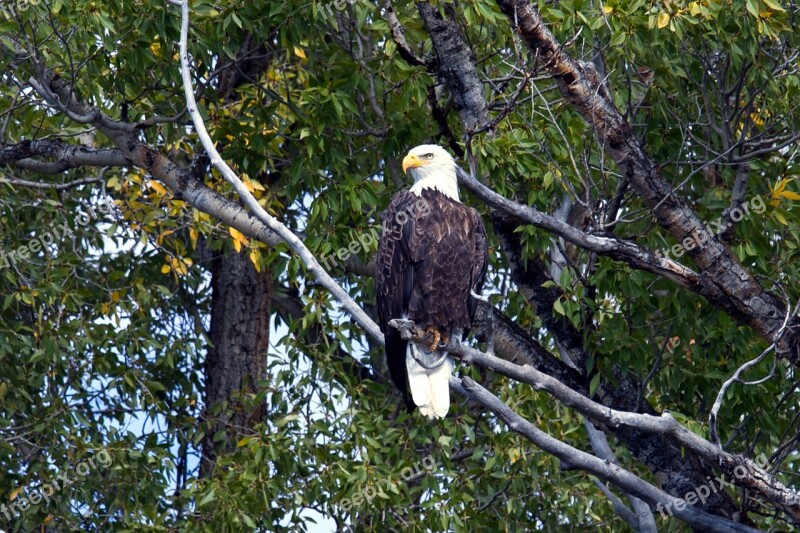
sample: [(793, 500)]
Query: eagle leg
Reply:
[(430, 330)]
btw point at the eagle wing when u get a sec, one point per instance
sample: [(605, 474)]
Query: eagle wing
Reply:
[(395, 281)]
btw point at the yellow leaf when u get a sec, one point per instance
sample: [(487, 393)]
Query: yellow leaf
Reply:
[(157, 187), (772, 4), (663, 20), (15, 493), (790, 195), (254, 260), (237, 245), (248, 186), (299, 52), (165, 269), (780, 186), (257, 186), (780, 218), (238, 237)]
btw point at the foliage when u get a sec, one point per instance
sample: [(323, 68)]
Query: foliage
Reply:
[(102, 336)]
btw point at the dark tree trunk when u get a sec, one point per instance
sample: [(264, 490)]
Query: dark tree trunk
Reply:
[(237, 358)]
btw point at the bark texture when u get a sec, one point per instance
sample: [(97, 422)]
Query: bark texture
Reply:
[(237, 358), (725, 282)]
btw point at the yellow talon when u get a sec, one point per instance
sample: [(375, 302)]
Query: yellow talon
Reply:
[(436, 337)]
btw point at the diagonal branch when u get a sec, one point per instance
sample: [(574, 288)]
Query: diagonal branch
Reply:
[(285, 234), (399, 37), (758, 479), (624, 479), (604, 245)]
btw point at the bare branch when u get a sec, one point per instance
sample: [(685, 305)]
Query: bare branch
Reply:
[(712, 416), (53, 186), (66, 156), (611, 246), (642, 519)]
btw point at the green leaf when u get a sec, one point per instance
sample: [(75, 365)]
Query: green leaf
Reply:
[(594, 383)]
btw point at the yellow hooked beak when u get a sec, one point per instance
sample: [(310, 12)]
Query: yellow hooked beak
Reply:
[(411, 161)]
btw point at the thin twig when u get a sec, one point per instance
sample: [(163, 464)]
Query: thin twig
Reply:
[(712, 416)]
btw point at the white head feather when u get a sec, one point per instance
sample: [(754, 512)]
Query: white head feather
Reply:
[(432, 167)]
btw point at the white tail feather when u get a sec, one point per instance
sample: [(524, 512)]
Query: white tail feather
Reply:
[(430, 389)]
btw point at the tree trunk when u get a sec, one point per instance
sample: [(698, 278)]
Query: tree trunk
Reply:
[(237, 358)]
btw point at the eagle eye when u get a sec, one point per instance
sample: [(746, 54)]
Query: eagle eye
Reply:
[(428, 156)]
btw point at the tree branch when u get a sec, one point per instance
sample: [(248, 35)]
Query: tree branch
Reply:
[(399, 37), (284, 233), (759, 479), (744, 299), (610, 472)]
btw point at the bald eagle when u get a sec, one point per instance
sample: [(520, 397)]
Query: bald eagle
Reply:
[(432, 252)]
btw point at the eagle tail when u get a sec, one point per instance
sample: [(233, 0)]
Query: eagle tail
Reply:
[(430, 388)]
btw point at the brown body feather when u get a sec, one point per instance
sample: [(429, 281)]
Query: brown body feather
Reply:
[(432, 252)]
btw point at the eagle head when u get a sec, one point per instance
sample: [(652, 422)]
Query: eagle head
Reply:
[(432, 167)]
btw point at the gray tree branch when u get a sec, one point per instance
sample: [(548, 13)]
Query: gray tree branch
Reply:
[(757, 479), (625, 480)]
